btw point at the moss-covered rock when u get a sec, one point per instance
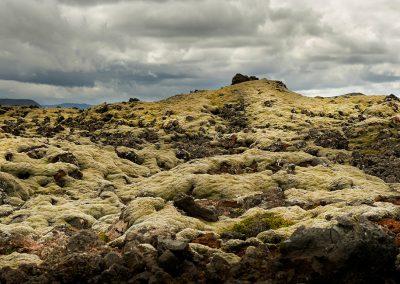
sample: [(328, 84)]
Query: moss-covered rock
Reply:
[(251, 226)]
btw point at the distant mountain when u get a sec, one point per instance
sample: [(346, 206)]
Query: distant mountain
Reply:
[(69, 105), (18, 102)]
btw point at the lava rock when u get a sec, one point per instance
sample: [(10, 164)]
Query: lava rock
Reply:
[(392, 98), (134, 260), (112, 258), (358, 252), (240, 78), (67, 157), (218, 268), (269, 103), (59, 178), (330, 139), (191, 208), (172, 245), (76, 174), (130, 155), (168, 261), (9, 156), (82, 241), (37, 154)]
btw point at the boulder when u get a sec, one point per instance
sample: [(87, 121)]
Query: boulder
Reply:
[(240, 78), (391, 98), (358, 252), (187, 204)]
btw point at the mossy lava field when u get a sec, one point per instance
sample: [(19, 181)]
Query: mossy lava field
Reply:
[(248, 183)]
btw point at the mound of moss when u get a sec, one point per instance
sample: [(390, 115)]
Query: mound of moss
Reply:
[(260, 222)]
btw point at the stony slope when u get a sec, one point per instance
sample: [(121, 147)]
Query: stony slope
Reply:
[(249, 182)]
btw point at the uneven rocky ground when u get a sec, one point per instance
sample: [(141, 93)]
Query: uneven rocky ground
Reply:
[(248, 183)]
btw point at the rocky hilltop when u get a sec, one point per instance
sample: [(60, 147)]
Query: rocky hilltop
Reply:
[(248, 183)]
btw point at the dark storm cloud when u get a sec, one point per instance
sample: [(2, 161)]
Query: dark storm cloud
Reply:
[(380, 78), (57, 78), (123, 74), (98, 50)]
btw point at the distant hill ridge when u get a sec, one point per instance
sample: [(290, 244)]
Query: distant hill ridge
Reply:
[(28, 102), (18, 102), (69, 105)]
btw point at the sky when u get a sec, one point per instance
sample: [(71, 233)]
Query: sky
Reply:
[(94, 51)]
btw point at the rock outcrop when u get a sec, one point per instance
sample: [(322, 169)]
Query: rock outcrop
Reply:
[(240, 78)]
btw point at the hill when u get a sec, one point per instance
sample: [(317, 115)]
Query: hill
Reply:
[(251, 182), (18, 102)]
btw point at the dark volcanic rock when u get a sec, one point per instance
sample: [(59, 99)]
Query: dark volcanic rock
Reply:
[(65, 158), (379, 152), (274, 197), (168, 261), (13, 127), (349, 253), (194, 146), (130, 155), (59, 178), (235, 115), (38, 153), (391, 98), (240, 78), (9, 156), (330, 139), (384, 165), (82, 240), (190, 207)]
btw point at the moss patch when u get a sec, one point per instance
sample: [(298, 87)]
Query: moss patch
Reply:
[(252, 226), (103, 236)]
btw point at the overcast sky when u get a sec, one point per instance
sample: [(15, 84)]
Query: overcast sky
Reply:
[(94, 51)]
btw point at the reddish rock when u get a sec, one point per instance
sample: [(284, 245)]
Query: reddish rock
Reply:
[(208, 239), (393, 226)]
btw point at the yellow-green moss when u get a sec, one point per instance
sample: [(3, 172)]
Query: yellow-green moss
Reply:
[(252, 226), (103, 237)]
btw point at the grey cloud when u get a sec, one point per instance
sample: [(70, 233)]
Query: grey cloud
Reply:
[(124, 74), (101, 2), (110, 50), (56, 78), (379, 78), (188, 19)]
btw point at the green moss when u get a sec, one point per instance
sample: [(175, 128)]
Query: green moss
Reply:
[(364, 140), (103, 237), (367, 140), (258, 223), (8, 250)]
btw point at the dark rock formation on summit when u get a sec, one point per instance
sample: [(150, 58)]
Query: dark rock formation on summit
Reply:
[(239, 78)]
